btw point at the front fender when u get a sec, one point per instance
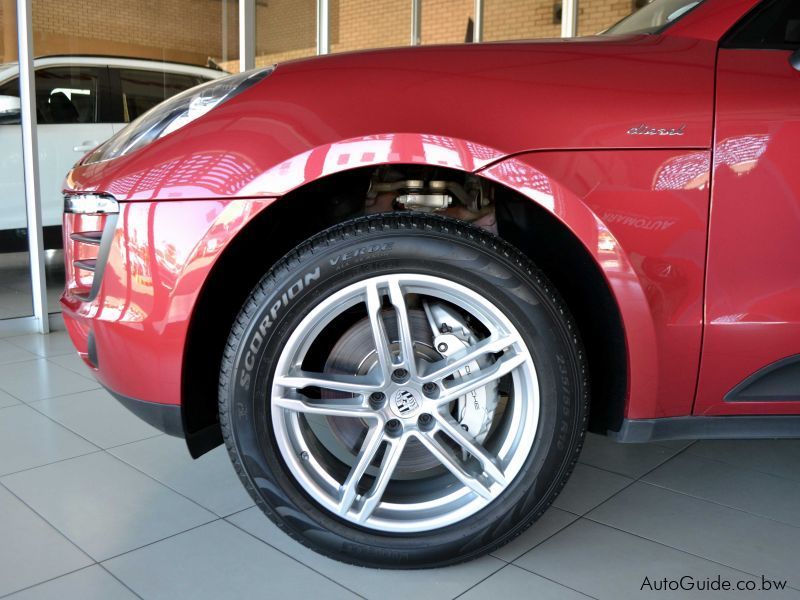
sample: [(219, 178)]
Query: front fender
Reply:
[(372, 150), (642, 216)]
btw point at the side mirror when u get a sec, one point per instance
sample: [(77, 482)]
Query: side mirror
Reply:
[(795, 60), (9, 110)]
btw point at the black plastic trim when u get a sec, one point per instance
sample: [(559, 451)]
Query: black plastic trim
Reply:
[(87, 237), (778, 382), (204, 440), (89, 264), (91, 345), (637, 431), (109, 229), (164, 417)]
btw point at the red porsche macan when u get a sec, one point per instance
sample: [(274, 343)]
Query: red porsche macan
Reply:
[(401, 285)]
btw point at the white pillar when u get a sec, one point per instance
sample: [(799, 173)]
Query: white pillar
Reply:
[(30, 158), (569, 18), (477, 29), (323, 27), (224, 53), (247, 34), (416, 22)]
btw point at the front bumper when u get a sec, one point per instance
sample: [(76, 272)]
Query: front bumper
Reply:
[(129, 317), (164, 417)]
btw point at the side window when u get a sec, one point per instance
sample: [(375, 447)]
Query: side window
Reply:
[(142, 90), (775, 25), (67, 95)]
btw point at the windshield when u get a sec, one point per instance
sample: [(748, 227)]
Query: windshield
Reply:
[(653, 17)]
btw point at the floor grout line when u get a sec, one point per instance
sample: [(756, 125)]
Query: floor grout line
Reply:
[(129, 588), (29, 402), (158, 481), (715, 503), (297, 560), (55, 462), (48, 580), (681, 550), (744, 468), (53, 527), (505, 565)]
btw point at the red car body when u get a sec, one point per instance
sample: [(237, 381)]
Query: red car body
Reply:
[(671, 160)]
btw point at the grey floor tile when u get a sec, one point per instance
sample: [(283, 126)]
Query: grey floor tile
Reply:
[(675, 444), (551, 522), (379, 584), (38, 379), (91, 583), (610, 564), (103, 505), (97, 416), (210, 480), (514, 582), (721, 534), (588, 487), (73, 362), (753, 491), (777, 457), (31, 551), (631, 460), (51, 344), (10, 353), (7, 399), (219, 561), (29, 439)]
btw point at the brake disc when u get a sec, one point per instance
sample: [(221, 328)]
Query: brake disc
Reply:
[(354, 354)]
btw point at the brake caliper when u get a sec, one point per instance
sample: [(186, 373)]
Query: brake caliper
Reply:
[(451, 338)]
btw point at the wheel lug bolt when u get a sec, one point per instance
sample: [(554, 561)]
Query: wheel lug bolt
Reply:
[(425, 421), (430, 389), (400, 375), (377, 399), (393, 427)]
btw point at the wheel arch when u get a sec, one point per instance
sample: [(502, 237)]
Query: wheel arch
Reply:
[(588, 294)]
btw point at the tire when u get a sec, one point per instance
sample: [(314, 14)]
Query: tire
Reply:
[(452, 495)]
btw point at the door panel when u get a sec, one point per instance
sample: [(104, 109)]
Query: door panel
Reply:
[(753, 276), (59, 150)]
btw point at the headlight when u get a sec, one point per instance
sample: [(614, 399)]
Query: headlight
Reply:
[(90, 204), (174, 113)]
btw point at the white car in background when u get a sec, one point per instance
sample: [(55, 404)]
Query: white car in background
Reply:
[(81, 101)]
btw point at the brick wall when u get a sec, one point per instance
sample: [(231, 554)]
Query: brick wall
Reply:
[(191, 30), (596, 15), (519, 19)]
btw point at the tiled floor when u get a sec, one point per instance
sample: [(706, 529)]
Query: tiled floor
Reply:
[(96, 504), (15, 283)]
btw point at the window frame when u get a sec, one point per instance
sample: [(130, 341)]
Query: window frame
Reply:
[(101, 72), (102, 95), (115, 78), (728, 40)]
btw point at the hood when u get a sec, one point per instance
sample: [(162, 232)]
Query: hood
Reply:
[(503, 98)]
